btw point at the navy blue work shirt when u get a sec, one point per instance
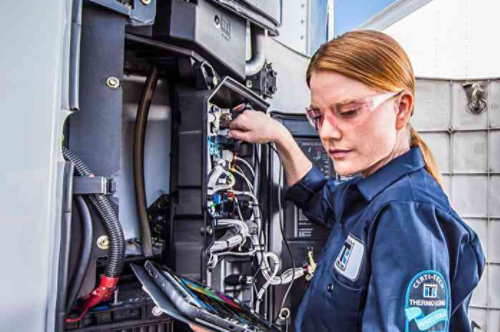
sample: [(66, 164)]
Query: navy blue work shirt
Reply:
[(398, 257)]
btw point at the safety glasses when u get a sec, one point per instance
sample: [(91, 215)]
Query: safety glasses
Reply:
[(351, 111)]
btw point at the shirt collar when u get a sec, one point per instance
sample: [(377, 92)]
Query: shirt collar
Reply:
[(406, 163)]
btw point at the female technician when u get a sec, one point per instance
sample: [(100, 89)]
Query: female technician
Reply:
[(398, 258)]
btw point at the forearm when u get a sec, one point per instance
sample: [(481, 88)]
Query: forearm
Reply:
[(294, 161)]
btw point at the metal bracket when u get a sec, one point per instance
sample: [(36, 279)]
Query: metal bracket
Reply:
[(205, 76), (477, 98), (264, 82), (100, 185)]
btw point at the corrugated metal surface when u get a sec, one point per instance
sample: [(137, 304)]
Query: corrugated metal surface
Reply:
[(467, 147)]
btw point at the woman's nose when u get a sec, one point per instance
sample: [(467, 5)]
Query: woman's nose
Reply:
[(330, 130)]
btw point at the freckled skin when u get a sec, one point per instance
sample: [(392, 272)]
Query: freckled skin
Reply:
[(382, 135)]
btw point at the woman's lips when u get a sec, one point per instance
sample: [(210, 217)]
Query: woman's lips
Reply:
[(338, 154)]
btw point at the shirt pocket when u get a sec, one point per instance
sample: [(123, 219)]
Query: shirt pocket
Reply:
[(347, 301)]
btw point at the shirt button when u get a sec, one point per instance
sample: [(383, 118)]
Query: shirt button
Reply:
[(329, 287)]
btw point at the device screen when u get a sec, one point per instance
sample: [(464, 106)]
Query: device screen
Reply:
[(219, 304)]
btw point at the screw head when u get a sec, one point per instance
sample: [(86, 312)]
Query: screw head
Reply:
[(156, 311), (145, 2), (103, 242), (249, 84), (113, 82)]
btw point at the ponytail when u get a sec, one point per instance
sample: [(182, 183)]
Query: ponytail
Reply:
[(430, 163)]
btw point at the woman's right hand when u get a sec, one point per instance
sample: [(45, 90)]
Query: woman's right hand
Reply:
[(256, 127)]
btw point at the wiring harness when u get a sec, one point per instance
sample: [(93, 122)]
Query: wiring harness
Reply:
[(242, 233)]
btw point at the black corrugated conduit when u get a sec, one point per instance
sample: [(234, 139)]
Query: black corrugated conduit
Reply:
[(85, 252), (109, 219), (139, 139)]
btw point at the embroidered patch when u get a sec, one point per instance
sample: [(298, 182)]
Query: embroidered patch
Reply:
[(426, 307), (350, 258)]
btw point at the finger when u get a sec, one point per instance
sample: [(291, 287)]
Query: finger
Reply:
[(240, 134), (239, 122), (239, 107), (197, 328)]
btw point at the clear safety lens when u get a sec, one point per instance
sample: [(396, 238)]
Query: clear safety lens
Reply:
[(348, 111)]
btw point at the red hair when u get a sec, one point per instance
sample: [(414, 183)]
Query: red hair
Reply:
[(378, 61)]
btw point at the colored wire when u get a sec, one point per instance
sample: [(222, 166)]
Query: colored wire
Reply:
[(249, 167), (280, 214)]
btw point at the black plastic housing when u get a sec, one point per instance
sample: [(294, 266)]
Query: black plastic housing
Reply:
[(136, 312), (188, 171), (216, 33)]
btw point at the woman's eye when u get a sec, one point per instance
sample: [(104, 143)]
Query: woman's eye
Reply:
[(349, 113)]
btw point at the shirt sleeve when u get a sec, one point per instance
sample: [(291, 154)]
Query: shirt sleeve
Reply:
[(313, 194), (414, 270)]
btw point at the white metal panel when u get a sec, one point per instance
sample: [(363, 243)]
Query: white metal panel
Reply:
[(495, 244), (432, 97), (293, 94), (495, 196), (439, 143), (470, 152), (294, 25), (35, 35), (449, 38)]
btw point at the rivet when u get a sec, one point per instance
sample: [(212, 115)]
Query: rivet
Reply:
[(103, 242), (156, 311), (113, 82)]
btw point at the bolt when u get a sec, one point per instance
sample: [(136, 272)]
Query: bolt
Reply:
[(249, 84), (217, 20), (146, 2), (116, 301), (273, 89), (156, 311), (274, 73), (103, 242), (113, 83), (215, 81)]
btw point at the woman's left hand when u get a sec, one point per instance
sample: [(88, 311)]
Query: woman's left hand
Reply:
[(196, 328)]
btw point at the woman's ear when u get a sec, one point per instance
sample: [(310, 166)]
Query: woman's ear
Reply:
[(404, 104)]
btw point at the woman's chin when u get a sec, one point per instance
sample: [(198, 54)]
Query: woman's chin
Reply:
[(344, 171)]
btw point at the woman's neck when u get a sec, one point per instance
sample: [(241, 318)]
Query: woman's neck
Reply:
[(402, 146)]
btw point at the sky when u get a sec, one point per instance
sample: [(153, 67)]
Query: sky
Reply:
[(351, 13)]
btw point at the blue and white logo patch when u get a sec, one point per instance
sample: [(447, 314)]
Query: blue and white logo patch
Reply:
[(350, 258), (426, 306)]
